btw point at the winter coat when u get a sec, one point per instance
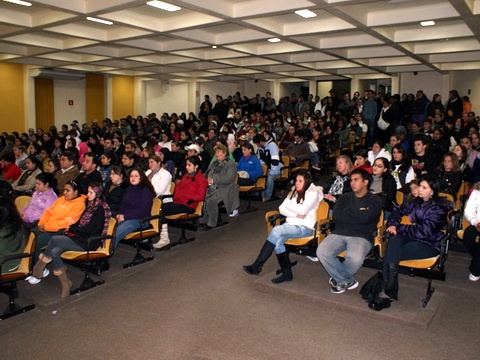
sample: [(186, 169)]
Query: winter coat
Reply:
[(308, 207), (428, 218)]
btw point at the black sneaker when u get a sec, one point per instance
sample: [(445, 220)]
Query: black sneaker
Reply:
[(337, 289), (351, 285), (332, 282)]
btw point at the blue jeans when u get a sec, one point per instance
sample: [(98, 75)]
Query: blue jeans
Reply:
[(282, 233), (127, 227), (270, 184), (343, 272), (57, 245)]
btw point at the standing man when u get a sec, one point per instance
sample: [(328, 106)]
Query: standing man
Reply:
[(355, 216), (369, 113)]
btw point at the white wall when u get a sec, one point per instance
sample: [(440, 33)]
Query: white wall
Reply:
[(293, 87), (430, 82), (217, 88), (251, 88), (159, 99), (63, 92), (462, 81)]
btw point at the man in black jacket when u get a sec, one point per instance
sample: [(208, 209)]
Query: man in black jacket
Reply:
[(355, 216)]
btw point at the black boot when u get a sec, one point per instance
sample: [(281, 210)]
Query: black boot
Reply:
[(286, 267), (390, 287), (265, 252)]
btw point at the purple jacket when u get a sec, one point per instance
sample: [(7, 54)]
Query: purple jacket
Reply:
[(39, 202), (136, 203), (428, 219)]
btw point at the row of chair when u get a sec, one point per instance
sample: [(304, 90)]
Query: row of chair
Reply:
[(85, 260), (431, 268)]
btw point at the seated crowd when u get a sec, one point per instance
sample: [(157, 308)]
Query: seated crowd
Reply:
[(381, 146)]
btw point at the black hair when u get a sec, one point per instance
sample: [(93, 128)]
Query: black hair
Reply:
[(47, 178), (405, 164), (95, 159), (364, 174), (38, 164)]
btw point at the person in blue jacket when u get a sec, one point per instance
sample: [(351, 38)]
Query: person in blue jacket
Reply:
[(248, 164)]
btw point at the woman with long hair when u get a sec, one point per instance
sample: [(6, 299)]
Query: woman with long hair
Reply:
[(419, 240), (449, 175), (466, 171), (136, 204), (189, 191), (93, 222), (299, 207), (402, 170)]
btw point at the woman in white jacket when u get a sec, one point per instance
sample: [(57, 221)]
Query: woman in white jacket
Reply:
[(472, 214), (159, 177), (299, 207)]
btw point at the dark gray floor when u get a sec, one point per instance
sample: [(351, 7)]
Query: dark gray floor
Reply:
[(195, 302)]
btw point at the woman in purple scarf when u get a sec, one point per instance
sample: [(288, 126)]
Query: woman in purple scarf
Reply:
[(93, 222)]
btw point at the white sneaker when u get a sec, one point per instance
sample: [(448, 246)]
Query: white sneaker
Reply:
[(472, 277), (33, 280), (312, 258), (234, 213)]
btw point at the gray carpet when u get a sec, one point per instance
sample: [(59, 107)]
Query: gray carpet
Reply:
[(195, 302)]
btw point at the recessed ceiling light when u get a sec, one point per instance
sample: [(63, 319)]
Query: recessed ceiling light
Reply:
[(106, 22), (274, 40), (163, 5), (19, 2), (427, 23), (305, 13), (214, 46)]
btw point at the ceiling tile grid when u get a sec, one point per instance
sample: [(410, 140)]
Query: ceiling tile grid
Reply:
[(230, 40)]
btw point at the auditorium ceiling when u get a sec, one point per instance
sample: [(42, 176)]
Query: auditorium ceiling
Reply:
[(234, 40)]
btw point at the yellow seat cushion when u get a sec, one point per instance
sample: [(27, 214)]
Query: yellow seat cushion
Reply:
[(420, 263)]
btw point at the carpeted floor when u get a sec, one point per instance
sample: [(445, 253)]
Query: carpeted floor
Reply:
[(195, 302)]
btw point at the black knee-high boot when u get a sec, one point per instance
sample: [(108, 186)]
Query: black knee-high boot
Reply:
[(389, 289), (265, 252), (286, 268)]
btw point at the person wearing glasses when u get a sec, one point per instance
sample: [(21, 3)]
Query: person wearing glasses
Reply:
[(383, 184)]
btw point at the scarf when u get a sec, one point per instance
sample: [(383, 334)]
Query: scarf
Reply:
[(92, 206), (337, 186), (24, 177)]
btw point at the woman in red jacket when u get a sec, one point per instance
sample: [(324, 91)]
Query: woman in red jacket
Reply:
[(191, 189)]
